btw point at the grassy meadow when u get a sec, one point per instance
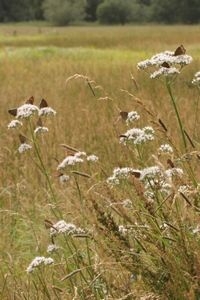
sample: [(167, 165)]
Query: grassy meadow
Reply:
[(140, 239)]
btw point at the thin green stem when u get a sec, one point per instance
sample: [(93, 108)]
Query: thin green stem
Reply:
[(168, 85), (43, 168)]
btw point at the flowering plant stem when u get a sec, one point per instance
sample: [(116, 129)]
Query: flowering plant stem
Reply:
[(169, 89), (43, 168)]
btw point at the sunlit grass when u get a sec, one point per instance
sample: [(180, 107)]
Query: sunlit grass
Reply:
[(37, 61)]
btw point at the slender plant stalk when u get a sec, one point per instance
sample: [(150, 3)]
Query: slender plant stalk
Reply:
[(169, 89), (43, 168)]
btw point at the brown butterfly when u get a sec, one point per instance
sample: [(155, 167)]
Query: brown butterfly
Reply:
[(124, 115), (180, 51), (13, 111), (30, 100), (22, 138), (136, 174), (43, 103), (165, 65), (170, 163)]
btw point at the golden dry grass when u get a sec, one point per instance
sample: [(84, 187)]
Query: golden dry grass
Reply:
[(32, 64)]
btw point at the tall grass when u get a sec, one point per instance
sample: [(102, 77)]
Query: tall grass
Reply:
[(135, 240)]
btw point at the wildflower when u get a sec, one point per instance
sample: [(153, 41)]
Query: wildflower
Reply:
[(173, 172), (14, 124), (123, 230), (165, 72), (24, 147), (167, 62), (196, 79), (63, 178), (150, 172), (92, 157), (41, 129), (70, 161), (79, 154), (26, 110), (46, 111), (132, 116), (184, 189), (38, 261), (63, 227), (137, 135), (120, 173), (52, 248), (165, 148)]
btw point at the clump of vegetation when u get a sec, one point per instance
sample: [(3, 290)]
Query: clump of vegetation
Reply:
[(115, 226)]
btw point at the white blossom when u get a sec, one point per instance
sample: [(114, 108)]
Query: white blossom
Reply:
[(14, 124), (132, 116), (174, 172), (120, 173), (46, 111), (63, 178), (123, 230), (38, 261), (26, 110), (52, 248), (167, 63), (24, 147), (40, 129), (165, 72), (150, 172), (138, 135), (196, 79), (67, 228), (165, 148), (92, 157), (69, 161)]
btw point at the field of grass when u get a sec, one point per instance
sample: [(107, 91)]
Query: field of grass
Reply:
[(140, 239)]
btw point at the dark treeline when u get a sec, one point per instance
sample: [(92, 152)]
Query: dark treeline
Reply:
[(63, 12)]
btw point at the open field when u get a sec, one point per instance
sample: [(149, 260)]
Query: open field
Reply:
[(156, 252)]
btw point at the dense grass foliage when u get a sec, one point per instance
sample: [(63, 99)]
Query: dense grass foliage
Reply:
[(129, 247)]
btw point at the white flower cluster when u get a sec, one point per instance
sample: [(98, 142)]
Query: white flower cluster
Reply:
[(14, 124), (164, 72), (24, 147), (67, 228), (196, 79), (166, 62), (120, 173), (151, 172), (71, 160), (47, 111), (138, 135), (122, 229), (78, 157), (92, 158), (165, 148), (52, 248), (26, 110), (40, 129), (167, 57), (38, 261), (132, 116)]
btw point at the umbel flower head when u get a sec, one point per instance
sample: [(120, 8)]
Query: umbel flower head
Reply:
[(196, 79), (168, 63)]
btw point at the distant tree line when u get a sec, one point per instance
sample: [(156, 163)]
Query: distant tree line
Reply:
[(64, 12)]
